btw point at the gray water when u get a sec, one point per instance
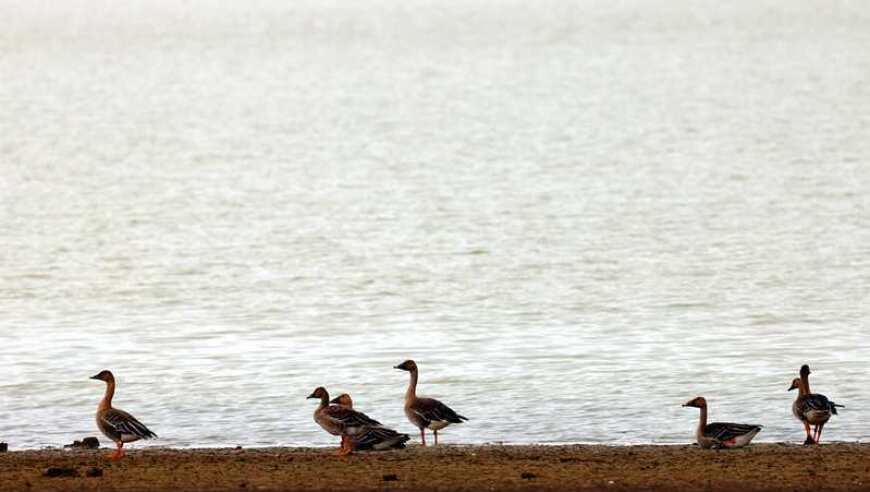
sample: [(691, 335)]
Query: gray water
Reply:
[(575, 216)]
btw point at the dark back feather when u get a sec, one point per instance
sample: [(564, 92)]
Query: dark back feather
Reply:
[(433, 410), (124, 423), (349, 417), (815, 402), (379, 438), (724, 431)]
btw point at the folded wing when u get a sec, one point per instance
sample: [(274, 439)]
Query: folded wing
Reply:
[(433, 410), (379, 438), (349, 418), (125, 424), (816, 403), (726, 431)]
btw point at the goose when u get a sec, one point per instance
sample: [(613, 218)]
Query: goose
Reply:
[(116, 424), (720, 434), (340, 421), (426, 413), (811, 408), (376, 438)]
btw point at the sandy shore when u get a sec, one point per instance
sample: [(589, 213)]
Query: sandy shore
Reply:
[(472, 468)]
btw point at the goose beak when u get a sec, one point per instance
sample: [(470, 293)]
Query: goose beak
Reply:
[(312, 395), (97, 377)]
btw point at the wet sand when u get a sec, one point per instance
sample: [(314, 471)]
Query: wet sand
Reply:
[(467, 468)]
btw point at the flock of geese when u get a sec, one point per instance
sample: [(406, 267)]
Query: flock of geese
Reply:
[(812, 409), (359, 432)]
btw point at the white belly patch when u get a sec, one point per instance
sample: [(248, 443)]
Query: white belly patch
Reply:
[(438, 424)]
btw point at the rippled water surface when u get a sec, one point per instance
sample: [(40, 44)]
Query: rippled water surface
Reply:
[(575, 216)]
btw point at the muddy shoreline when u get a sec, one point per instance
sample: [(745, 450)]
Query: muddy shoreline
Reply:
[(838, 466)]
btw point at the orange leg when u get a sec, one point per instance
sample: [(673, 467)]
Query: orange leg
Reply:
[(423, 436), (819, 432), (346, 446), (809, 440), (436, 437), (343, 445), (118, 453)]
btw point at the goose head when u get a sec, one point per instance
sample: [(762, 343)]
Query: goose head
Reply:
[(104, 375), (697, 402), (343, 400), (319, 393), (408, 365)]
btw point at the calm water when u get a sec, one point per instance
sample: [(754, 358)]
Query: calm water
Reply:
[(575, 216)]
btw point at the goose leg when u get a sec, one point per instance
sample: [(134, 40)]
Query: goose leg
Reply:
[(436, 437), (809, 440), (343, 445), (346, 448), (819, 433), (423, 436), (118, 453)]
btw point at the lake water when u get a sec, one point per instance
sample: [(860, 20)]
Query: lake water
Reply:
[(575, 216)]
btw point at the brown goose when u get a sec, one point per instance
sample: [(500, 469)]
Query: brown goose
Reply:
[(116, 424), (375, 438), (340, 421), (720, 434), (426, 413), (811, 408)]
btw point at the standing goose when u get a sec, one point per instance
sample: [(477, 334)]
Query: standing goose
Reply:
[(376, 437), (811, 409), (340, 421), (721, 434), (426, 413), (116, 424)]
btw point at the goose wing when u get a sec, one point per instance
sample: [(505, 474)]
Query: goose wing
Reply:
[(433, 410), (348, 417), (816, 403), (125, 424), (379, 438), (724, 431)]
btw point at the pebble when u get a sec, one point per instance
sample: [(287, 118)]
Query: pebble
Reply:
[(86, 443), (59, 471), (91, 443)]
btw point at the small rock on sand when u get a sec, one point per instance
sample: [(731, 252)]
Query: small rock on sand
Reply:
[(91, 443), (3, 447), (86, 443), (59, 471)]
